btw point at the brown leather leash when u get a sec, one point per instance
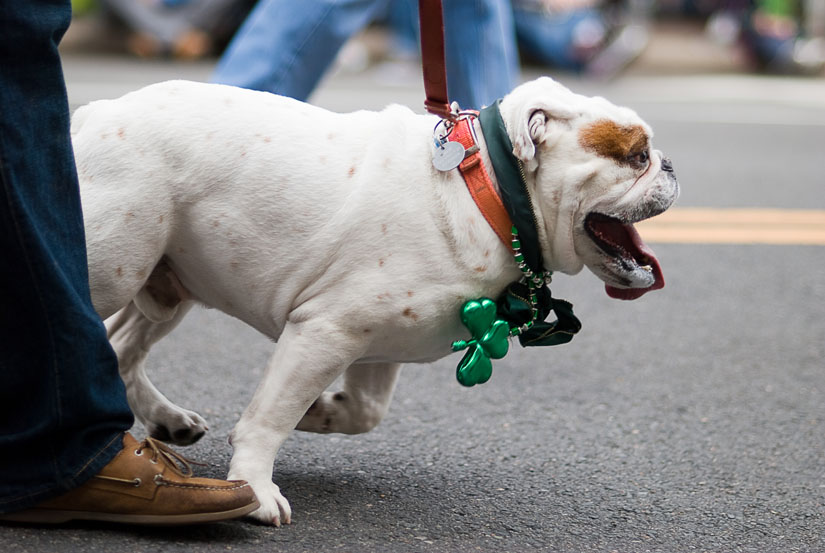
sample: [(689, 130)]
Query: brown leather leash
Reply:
[(458, 125), (431, 19)]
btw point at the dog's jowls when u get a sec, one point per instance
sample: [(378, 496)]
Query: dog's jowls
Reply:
[(334, 235)]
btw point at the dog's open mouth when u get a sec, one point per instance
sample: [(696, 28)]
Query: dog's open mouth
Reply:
[(634, 265)]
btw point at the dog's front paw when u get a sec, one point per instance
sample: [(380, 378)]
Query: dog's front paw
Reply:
[(274, 509), (176, 425)]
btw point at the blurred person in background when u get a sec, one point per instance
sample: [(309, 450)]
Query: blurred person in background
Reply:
[(185, 29), (778, 36), (787, 36), (597, 37), (560, 33), (286, 46)]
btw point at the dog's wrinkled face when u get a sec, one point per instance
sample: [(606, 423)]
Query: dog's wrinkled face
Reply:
[(595, 175), (636, 183)]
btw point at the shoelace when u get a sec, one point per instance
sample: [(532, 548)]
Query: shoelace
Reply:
[(181, 465), (170, 457)]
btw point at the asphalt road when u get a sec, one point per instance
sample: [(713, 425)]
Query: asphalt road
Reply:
[(689, 420)]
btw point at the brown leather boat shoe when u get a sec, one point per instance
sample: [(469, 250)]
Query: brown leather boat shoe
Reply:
[(145, 484)]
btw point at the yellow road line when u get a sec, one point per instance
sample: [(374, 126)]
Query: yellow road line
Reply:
[(736, 226)]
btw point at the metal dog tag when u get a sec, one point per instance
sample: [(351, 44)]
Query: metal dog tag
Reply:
[(448, 155)]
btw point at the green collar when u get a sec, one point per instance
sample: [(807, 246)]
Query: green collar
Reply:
[(512, 186)]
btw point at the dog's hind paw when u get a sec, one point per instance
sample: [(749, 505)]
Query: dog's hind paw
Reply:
[(339, 412)]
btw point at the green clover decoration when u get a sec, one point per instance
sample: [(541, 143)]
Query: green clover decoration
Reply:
[(489, 341)]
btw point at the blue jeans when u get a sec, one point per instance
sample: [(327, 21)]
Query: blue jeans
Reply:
[(63, 405), (549, 38), (285, 46)]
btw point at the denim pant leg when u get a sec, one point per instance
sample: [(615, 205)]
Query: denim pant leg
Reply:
[(549, 38), (285, 46), (480, 51), (62, 403), (479, 47)]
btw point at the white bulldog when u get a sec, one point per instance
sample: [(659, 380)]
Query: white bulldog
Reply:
[(334, 235)]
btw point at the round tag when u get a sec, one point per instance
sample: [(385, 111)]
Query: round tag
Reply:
[(448, 156)]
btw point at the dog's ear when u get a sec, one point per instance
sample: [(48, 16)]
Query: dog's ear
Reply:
[(532, 126)]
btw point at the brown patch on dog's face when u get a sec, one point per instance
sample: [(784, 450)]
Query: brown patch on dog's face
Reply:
[(608, 139)]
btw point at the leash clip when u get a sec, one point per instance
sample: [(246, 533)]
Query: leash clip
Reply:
[(448, 154)]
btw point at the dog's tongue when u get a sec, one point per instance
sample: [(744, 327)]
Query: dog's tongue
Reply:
[(634, 245)]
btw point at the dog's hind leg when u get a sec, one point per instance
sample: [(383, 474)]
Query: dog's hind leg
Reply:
[(132, 334), (359, 406)]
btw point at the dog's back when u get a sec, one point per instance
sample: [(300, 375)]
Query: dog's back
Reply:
[(194, 172)]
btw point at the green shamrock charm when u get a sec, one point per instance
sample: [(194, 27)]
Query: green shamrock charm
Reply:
[(489, 341)]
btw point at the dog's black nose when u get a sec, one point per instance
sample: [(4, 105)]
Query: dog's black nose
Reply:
[(667, 165)]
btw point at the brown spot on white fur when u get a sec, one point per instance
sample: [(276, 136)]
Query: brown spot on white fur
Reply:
[(608, 139), (408, 312)]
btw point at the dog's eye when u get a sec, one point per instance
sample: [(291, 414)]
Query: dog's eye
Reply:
[(641, 158)]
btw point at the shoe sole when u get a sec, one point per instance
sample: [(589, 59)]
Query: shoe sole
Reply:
[(44, 516)]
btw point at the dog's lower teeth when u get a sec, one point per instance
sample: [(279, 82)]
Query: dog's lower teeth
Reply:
[(647, 268)]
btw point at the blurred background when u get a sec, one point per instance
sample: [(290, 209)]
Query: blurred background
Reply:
[(599, 38)]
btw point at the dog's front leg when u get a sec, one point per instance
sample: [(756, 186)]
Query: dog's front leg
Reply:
[(307, 358)]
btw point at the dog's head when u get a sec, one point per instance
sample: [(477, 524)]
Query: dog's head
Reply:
[(592, 174)]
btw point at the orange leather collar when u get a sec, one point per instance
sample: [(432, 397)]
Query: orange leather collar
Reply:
[(479, 183)]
